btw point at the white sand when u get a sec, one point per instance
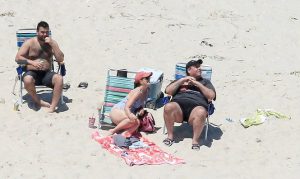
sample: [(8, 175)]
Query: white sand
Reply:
[(255, 50)]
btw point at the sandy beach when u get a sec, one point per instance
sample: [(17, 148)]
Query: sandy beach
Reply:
[(252, 47)]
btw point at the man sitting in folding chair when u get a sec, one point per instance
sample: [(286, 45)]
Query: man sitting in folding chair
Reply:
[(36, 53), (191, 96)]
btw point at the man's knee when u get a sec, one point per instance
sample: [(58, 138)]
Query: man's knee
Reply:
[(28, 80), (172, 112), (198, 113), (170, 107), (57, 79)]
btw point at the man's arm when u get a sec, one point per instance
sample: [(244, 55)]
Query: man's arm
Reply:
[(207, 92), (173, 87), (22, 59), (58, 54), (23, 51)]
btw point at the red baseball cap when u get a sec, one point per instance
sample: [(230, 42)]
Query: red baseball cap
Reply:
[(140, 75)]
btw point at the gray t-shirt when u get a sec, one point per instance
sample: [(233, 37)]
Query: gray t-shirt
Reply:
[(193, 93)]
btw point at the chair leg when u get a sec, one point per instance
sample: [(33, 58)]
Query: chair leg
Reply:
[(206, 130), (14, 86), (21, 89), (101, 116), (62, 99), (164, 129)]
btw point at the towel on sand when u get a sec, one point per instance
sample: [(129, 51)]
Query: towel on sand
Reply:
[(260, 117), (151, 155)]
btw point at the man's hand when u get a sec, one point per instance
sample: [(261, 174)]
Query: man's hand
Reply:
[(59, 55), (194, 82), (49, 40), (37, 64), (188, 79)]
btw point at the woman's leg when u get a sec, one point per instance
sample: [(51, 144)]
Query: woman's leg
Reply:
[(134, 127), (117, 115), (127, 125), (119, 118)]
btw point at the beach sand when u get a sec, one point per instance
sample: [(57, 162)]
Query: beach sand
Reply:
[(255, 61)]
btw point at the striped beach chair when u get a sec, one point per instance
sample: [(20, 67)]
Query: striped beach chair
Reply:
[(117, 88), (22, 36), (206, 72), (118, 84)]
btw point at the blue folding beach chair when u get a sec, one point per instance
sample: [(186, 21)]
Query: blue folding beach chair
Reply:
[(118, 84), (22, 36), (206, 72)]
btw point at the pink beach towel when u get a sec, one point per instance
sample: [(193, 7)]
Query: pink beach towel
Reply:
[(151, 155)]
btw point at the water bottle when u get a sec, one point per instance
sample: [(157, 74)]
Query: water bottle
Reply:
[(16, 106)]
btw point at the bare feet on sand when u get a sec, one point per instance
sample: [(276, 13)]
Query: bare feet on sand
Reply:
[(44, 104), (51, 109), (47, 105)]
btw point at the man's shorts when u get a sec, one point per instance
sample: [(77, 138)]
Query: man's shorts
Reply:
[(187, 105), (41, 77)]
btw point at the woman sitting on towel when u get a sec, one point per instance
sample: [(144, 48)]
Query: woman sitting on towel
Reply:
[(125, 114)]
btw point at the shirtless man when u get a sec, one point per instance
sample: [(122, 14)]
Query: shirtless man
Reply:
[(37, 54)]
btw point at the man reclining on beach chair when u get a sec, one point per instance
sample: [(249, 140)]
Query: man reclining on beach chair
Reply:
[(36, 53), (191, 97)]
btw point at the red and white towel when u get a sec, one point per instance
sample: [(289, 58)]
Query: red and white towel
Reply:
[(151, 155)]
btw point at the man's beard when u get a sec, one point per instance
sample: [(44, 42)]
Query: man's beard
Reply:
[(41, 39)]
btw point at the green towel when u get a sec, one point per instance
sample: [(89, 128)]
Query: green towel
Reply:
[(260, 117)]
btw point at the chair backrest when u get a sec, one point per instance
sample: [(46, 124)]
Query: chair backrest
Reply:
[(118, 86), (25, 34), (180, 71)]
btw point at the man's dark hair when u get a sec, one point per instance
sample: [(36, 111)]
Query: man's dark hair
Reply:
[(42, 24)]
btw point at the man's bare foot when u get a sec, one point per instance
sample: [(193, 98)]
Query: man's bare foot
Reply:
[(51, 109), (44, 104)]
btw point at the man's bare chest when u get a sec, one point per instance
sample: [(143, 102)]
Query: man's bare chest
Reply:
[(38, 51)]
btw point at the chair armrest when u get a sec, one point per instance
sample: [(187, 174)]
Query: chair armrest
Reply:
[(211, 108), (22, 62)]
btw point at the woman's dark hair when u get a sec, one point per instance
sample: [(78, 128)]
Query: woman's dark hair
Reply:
[(136, 85), (42, 24)]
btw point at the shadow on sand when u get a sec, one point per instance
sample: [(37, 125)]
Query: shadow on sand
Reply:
[(46, 95), (185, 131)]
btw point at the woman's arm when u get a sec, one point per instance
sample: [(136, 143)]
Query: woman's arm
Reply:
[(133, 96)]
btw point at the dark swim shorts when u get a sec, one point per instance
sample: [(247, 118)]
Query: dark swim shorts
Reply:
[(187, 103), (41, 77)]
